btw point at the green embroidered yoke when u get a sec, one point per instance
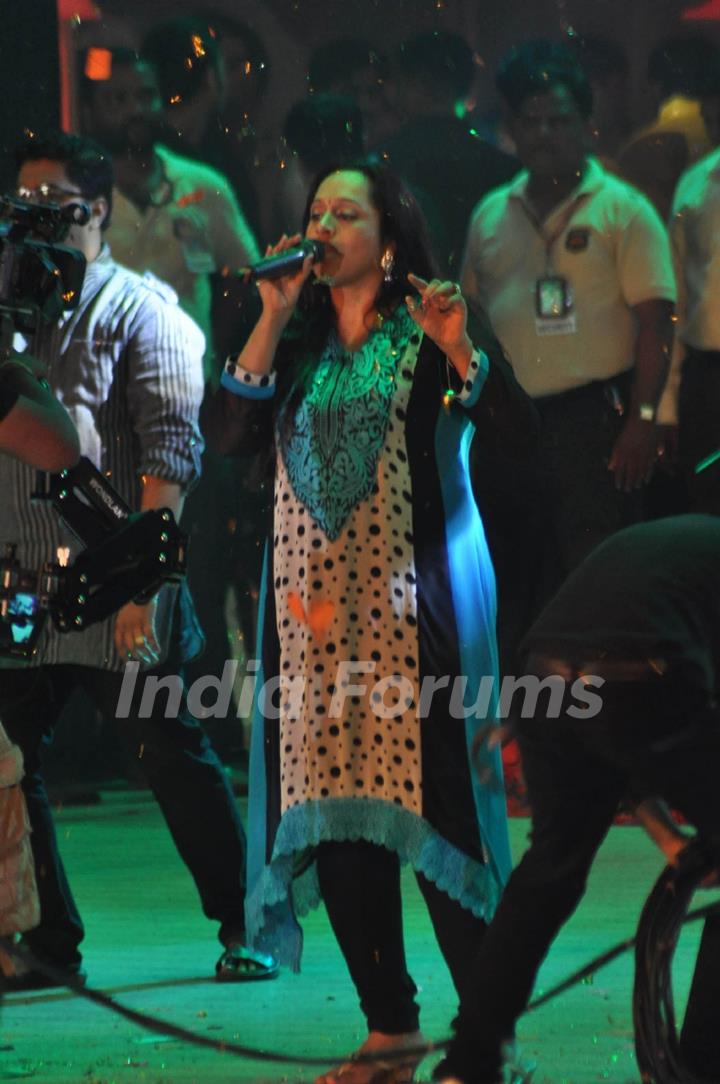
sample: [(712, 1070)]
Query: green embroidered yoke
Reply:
[(332, 447)]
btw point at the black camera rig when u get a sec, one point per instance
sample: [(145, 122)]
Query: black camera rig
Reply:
[(40, 278), (127, 557)]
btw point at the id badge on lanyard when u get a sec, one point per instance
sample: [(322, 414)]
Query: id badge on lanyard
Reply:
[(554, 302), (554, 312)]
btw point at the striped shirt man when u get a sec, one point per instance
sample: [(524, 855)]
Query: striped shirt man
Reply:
[(127, 366)]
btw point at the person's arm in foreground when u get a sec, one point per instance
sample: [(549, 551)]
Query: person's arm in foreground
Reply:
[(34, 426), (165, 388)]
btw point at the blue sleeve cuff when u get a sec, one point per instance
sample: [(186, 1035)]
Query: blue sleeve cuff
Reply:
[(250, 385)]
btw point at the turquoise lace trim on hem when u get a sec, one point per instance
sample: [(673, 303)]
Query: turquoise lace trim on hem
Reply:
[(277, 898)]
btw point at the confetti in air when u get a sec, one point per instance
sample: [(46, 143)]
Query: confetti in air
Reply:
[(197, 44)]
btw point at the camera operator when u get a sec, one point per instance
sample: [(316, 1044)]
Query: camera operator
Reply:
[(34, 427), (127, 366)]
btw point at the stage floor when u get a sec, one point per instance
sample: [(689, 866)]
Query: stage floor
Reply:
[(150, 947)]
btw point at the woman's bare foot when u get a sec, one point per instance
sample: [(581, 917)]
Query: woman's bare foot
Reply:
[(390, 1071)]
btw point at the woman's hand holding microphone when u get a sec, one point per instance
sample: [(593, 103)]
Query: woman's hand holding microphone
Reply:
[(280, 295)]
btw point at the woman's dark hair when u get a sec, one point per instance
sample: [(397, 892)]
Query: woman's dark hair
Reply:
[(401, 223), (538, 66), (87, 164)]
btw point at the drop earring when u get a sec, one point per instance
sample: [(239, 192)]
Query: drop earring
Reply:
[(387, 262)]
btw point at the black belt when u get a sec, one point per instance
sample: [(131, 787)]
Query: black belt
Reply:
[(615, 389)]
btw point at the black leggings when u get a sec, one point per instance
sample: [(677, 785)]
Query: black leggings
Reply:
[(360, 884)]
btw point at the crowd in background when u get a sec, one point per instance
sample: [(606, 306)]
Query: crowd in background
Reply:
[(542, 278), (577, 249), (197, 190)]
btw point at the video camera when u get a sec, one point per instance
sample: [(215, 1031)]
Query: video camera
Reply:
[(40, 278), (127, 558)]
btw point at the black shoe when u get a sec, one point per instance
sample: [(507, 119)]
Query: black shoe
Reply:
[(241, 964), (38, 980)]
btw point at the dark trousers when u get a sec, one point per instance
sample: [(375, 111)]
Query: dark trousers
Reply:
[(360, 884), (225, 515), (182, 770), (699, 429), (580, 506), (649, 739), (542, 518)]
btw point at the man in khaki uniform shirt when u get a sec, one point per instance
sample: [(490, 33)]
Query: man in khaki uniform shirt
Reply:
[(573, 268)]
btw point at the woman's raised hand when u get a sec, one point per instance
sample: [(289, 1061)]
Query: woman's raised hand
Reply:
[(280, 296), (441, 312)]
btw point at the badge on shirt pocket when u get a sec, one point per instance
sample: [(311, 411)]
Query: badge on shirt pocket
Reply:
[(577, 239)]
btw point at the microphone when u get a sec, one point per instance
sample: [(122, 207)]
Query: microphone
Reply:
[(284, 263)]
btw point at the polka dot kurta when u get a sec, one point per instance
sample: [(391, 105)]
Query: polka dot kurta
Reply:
[(377, 582), (347, 616)]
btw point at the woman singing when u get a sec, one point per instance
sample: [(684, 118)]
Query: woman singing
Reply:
[(378, 608)]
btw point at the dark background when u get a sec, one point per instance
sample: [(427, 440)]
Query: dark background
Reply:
[(292, 28), (35, 37), (30, 75)]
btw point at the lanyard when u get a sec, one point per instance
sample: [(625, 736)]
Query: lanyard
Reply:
[(549, 239)]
